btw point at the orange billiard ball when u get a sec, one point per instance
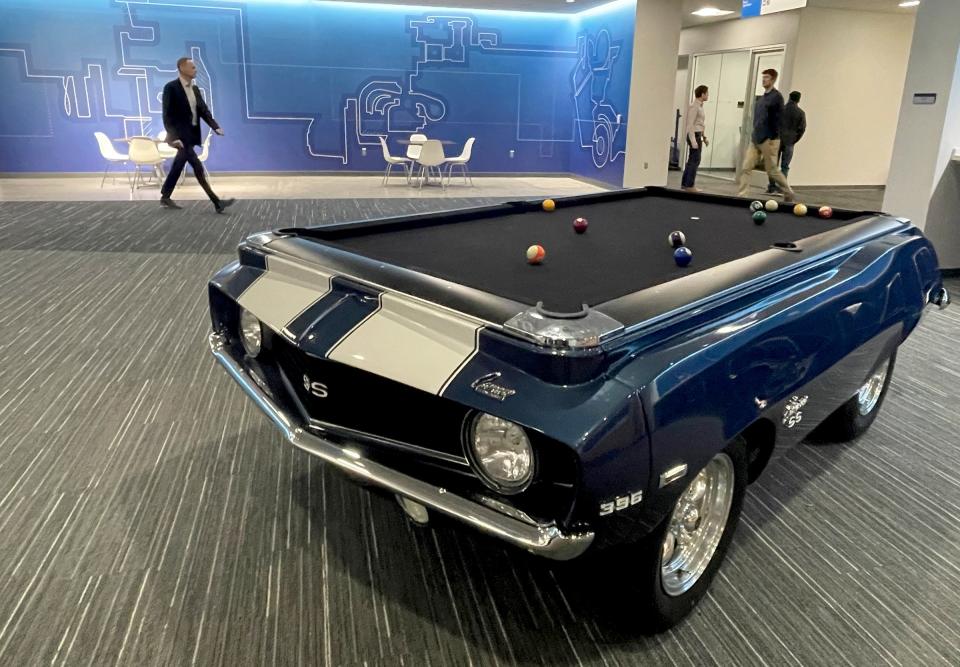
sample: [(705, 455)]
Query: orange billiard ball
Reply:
[(535, 254)]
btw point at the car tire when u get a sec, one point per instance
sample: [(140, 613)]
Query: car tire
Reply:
[(855, 416), (661, 603)]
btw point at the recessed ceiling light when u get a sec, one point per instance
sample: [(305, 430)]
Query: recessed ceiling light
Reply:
[(910, 3), (712, 11), (571, 1)]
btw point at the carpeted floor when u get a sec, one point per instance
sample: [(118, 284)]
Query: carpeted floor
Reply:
[(150, 516)]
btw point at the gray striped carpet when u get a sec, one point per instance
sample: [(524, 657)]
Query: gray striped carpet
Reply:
[(150, 516)]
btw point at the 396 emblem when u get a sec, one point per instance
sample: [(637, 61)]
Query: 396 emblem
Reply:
[(621, 503)]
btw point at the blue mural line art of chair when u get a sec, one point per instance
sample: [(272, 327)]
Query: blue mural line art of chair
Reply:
[(595, 114), (111, 155), (461, 162), (393, 161)]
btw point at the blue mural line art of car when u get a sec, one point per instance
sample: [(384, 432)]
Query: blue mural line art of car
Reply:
[(598, 122)]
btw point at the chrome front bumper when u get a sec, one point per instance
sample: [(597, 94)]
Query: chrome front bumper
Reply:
[(542, 539)]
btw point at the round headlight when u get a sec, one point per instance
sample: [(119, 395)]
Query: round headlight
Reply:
[(250, 334), (501, 453)]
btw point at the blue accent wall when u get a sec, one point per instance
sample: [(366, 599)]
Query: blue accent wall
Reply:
[(307, 86)]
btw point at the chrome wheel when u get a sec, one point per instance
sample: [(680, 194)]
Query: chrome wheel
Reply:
[(696, 526), (870, 392)]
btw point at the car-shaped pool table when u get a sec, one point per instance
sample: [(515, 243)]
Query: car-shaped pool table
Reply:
[(605, 397)]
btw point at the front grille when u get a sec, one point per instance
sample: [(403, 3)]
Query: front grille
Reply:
[(412, 431), (365, 402)]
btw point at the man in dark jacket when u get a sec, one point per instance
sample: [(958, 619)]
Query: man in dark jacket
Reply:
[(183, 107), (764, 147), (793, 124)]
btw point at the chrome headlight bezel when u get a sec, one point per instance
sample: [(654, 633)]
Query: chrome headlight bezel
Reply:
[(250, 332), (483, 470)]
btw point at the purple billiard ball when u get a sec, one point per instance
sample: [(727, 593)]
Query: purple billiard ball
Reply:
[(580, 225), (676, 239), (682, 256)]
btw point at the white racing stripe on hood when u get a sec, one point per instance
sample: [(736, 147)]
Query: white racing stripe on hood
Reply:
[(284, 291), (410, 342)]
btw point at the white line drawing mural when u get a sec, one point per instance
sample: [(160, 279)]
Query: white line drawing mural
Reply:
[(380, 106)]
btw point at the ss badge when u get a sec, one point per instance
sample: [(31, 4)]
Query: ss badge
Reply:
[(792, 412), (317, 389), (621, 503)]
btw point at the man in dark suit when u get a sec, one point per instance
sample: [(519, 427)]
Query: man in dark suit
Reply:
[(183, 107), (793, 125)]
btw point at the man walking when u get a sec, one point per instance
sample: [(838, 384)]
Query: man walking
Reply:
[(696, 138), (765, 141), (183, 107), (792, 127)]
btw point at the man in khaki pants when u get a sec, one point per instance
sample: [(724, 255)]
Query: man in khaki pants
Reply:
[(765, 141)]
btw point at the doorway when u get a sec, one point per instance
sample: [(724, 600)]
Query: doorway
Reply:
[(733, 78)]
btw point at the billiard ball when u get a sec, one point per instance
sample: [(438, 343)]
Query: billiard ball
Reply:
[(759, 217), (800, 210), (825, 212), (756, 206), (772, 205), (682, 256), (676, 239), (580, 225), (535, 254), (549, 205)]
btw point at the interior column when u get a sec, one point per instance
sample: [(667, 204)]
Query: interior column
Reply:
[(924, 182), (656, 43)]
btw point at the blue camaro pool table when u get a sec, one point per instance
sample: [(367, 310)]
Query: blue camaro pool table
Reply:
[(605, 398)]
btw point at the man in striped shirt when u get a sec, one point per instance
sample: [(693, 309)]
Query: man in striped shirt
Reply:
[(696, 138)]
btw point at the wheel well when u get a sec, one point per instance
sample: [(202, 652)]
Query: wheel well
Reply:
[(760, 436)]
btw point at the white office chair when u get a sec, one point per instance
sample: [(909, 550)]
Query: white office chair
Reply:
[(111, 155), (166, 150), (392, 162), (461, 161), (416, 145), (144, 153), (202, 156), (431, 159)]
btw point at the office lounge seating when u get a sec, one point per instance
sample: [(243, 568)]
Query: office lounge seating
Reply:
[(393, 161), (111, 155)]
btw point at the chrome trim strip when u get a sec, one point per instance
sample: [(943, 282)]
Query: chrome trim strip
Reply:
[(542, 539), (672, 474)]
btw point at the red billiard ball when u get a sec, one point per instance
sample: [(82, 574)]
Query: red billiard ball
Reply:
[(535, 254), (825, 212), (580, 225)]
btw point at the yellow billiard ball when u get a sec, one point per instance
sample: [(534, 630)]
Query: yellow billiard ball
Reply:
[(800, 210), (549, 205)]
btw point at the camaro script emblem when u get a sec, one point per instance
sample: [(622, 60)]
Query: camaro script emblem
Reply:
[(792, 413), (488, 386)]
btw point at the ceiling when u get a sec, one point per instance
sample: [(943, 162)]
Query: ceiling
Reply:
[(564, 7)]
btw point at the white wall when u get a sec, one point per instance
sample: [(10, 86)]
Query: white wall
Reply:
[(652, 84), (850, 67), (781, 28)]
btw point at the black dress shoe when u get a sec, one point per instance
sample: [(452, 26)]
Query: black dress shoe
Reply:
[(223, 204), (166, 202)]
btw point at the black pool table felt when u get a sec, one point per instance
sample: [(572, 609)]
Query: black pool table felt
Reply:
[(625, 248)]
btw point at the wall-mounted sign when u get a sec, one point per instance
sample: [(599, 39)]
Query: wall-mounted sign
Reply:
[(760, 7), (924, 98)]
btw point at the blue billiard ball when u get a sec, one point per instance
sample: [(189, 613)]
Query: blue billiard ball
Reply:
[(682, 256)]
